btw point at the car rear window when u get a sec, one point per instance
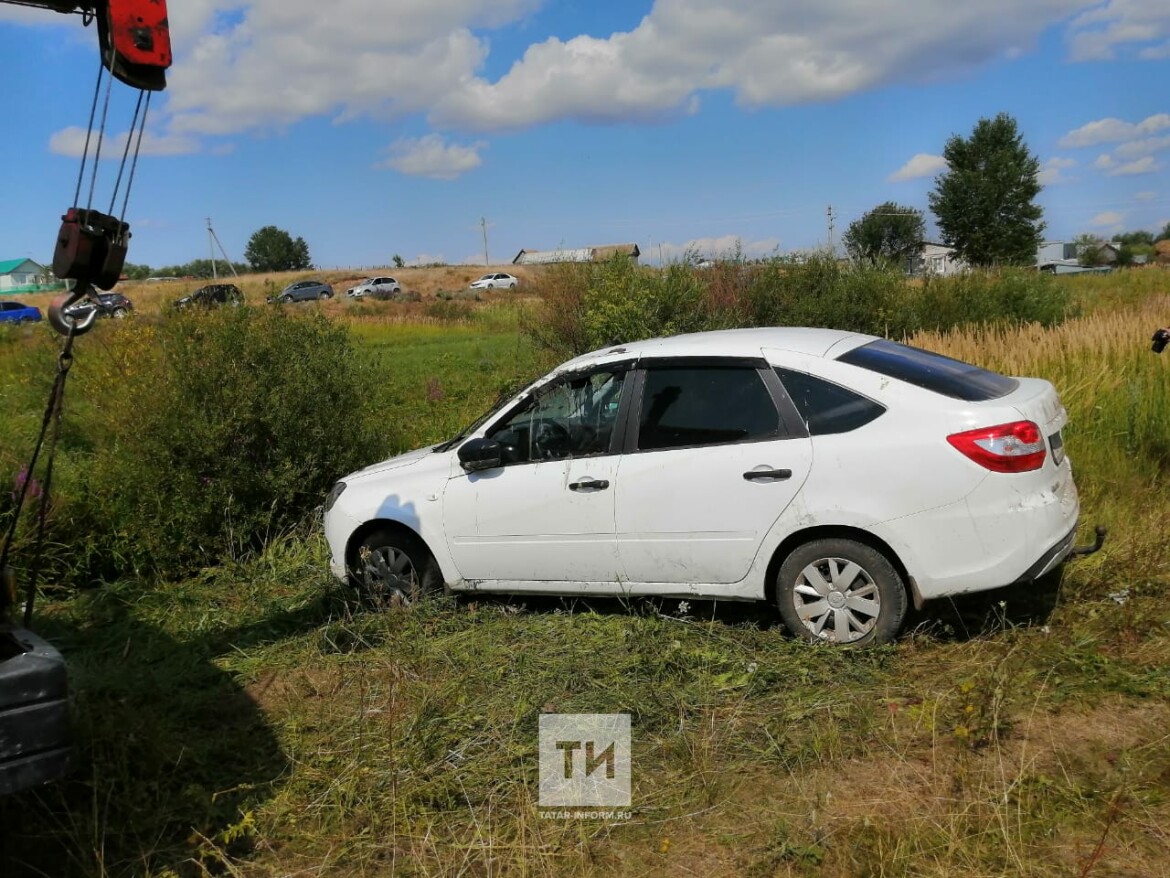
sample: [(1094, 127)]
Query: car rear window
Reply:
[(930, 371)]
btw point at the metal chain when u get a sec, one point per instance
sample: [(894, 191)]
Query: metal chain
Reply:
[(52, 417)]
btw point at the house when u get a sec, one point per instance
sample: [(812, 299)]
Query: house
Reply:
[(937, 260), (580, 254), (1064, 257), (24, 276)]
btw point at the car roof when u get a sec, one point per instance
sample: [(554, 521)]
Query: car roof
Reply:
[(731, 343)]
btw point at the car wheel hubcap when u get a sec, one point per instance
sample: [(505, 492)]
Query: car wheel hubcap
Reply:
[(837, 600), (388, 575)]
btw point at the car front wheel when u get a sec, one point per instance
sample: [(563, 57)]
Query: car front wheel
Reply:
[(390, 567), (119, 313), (841, 591)]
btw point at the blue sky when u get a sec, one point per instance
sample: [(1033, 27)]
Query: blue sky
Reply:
[(381, 127)]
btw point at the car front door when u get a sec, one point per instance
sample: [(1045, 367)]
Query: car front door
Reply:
[(547, 513), (717, 454)]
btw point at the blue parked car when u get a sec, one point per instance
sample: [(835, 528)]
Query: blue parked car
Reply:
[(18, 312)]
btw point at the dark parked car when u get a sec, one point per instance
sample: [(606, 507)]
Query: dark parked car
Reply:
[(107, 305), (18, 312), (212, 295), (304, 291)]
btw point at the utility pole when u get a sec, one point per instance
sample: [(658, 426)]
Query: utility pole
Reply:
[(211, 249), (831, 217), (483, 225), (213, 242)]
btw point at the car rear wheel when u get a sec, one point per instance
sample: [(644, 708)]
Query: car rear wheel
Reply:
[(390, 567), (323, 295), (841, 591)]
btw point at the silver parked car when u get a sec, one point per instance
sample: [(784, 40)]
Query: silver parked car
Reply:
[(374, 286), (304, 291)]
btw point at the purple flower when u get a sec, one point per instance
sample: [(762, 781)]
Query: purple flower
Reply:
[(34, 487)]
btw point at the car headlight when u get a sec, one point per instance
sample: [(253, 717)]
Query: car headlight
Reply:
[(333, 494)]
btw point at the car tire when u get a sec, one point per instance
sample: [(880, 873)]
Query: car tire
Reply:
[(286, 299), (512, 285), (119, 313), (840, 591), (392, 567)]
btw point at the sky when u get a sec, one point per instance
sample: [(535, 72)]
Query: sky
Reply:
[(413, 127)]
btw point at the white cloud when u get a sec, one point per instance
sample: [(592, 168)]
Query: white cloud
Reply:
[(921, 165), (1097, 34), (1146, 196), (431, 156), (71, 142), (1050, 173), (765, 53), (1142, 166), (1138, 148), (1104, 162), (1108, 218), (263, 65), (1111, 130)]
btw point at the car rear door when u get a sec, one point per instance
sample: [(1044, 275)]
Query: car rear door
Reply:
[(715, 453)]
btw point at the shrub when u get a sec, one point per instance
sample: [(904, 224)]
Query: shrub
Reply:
[(591, 305), (219, 430)]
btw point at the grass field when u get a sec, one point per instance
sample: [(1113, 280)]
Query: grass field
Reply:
[(248, 721)]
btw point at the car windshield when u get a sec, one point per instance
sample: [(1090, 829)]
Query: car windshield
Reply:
[(509, 392)]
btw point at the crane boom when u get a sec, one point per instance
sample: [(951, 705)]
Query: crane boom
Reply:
[(134, 36)]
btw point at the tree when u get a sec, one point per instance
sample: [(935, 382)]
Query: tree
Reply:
[(399, 262), (1142, 238), (1090, 251), (273, 249), (888, 233), (984, 200), (1164, 235)]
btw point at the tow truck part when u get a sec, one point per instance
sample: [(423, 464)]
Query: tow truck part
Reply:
[(35, 741)]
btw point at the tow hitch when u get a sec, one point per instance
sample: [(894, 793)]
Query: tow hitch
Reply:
[(1101, 531)]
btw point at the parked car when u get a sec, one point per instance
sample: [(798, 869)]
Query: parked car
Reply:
[(18, 312), (374, 286), (211, 295), (304, 291), (492, 281), (838, 475), (106, 304)]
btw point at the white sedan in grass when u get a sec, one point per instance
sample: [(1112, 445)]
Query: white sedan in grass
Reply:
[(496, 280), (840, 476)]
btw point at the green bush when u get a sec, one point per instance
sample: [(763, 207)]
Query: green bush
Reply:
[(218, 431), (591, 305)]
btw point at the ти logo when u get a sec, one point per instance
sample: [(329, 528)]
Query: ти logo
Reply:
[(584, 759)]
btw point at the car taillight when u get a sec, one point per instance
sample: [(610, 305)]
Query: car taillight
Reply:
[(1017, 447)]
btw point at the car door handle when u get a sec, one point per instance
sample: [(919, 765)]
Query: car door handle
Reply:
[(589, 485), (768, 475)]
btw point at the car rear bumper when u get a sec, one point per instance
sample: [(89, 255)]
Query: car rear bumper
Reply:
[(1006, 531)]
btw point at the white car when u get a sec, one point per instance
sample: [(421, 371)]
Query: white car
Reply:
[(373, 286), (838, 475), (498, 280)]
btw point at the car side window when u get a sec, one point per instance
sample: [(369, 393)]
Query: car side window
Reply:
[(572, 416), (704, 405), (827, 407)]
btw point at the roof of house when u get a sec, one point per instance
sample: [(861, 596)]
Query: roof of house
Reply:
[(576, 254), (7, 266)]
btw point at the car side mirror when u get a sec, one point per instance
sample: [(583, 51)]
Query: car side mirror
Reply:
[(480, 454)]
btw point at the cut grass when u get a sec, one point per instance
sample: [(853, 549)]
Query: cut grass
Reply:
[(250, 722)]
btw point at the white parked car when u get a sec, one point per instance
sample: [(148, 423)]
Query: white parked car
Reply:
[(838, 475), (373, 286), (498, 280)]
